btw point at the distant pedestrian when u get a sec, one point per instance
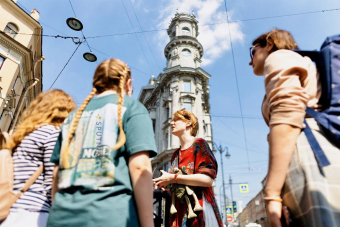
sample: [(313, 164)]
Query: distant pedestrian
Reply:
[(32, 144), (103, 170), (199, 167), (311, 193)]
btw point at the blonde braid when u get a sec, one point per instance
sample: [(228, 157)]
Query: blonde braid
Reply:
[(122, 82), (65, 153)]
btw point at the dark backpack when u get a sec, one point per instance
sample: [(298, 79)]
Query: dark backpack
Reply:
[(327, 61)]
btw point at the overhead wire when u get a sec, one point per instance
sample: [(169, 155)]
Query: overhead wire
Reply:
[(231, 116), (210, 24), (84, 38), (237, 86), (128, 65), (231, 129), (136, 36), (65, 65), (133, 9), (239, 147), (222, 22)]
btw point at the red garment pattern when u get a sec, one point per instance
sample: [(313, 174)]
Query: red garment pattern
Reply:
[(198, 158)]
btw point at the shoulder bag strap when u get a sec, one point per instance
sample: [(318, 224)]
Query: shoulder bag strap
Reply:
[(32, 179)]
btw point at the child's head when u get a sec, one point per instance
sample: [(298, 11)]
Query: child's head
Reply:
[(111, 74), (184, 120), (50, 107)]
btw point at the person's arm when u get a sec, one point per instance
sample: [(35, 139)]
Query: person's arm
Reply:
[(48, 146), (282, 139), (55, 181), (285, 73), (141, 177), (198, 180)]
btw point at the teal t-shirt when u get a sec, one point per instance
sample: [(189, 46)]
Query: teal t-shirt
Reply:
[(97, 191)]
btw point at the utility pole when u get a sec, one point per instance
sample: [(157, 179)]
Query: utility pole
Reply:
[(231, 188), (221, 150)]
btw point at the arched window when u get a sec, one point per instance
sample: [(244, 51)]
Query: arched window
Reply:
[(11, 30), (186, 52), (186, 31), (173, 34)]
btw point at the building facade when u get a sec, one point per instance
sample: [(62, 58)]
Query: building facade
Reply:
[(255, 211), (183, 84), (20, 61)]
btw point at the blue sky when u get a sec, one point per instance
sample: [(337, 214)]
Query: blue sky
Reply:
[(144, 54)]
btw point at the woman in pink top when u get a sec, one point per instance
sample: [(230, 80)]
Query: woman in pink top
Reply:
[(291, 84)]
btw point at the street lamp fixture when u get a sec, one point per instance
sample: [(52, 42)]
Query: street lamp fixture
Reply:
[(221, 150), (89, 56), (74, 24), (227, 154)]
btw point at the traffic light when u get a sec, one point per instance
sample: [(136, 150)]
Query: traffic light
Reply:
[(234, 207)]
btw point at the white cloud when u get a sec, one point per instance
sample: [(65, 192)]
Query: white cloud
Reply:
[(214, 38)]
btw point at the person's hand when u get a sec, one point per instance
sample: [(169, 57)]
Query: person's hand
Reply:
[(274, 212), (162, 181)]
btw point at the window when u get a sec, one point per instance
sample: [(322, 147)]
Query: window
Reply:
[(11, 30), (167, 113), (187, 106), (186, 52), (154, 125), (173, 34), (166, 141), (186, 86), (1, 61), (166, 167), (205, 129), (186, 31)]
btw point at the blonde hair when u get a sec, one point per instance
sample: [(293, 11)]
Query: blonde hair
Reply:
[(281, 39), (50, 107), (111, 74), (187, 116)]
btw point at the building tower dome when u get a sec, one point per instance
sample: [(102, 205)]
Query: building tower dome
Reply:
[(183, 49)]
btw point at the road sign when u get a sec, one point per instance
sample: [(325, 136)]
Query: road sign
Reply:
[(229, 210), (244, 188), (229, 218)]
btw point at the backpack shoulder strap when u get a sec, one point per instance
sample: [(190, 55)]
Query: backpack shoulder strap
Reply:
[(311, 112), (318, 152), (32, 179)]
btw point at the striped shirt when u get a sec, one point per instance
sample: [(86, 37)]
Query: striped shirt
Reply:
[(35, 149)]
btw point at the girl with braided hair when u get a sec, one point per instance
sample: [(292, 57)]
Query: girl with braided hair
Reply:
[(198, 166), (103, 170)]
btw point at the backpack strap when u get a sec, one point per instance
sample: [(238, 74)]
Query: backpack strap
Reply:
[(311, 112), (32, 179), (318, 152)]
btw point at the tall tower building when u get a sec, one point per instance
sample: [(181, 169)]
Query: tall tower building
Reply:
[(183, 84)]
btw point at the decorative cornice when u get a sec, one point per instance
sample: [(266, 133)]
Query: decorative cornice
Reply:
[(180, 40), (178, 71), (13, 44)]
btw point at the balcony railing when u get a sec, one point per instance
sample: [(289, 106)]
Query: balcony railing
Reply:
[(159, 219)]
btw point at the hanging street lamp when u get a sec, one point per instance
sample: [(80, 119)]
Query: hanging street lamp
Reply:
[(74, 24), (89, 56)]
